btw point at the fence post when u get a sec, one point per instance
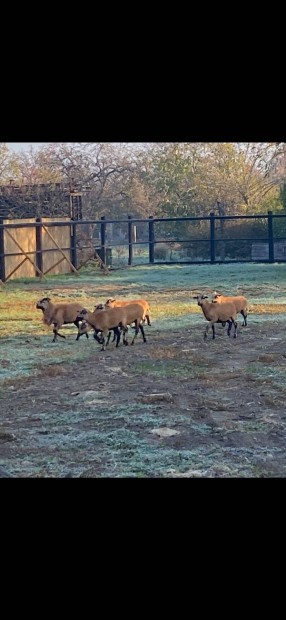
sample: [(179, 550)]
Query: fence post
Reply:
[(39, 249), (2, 256), (103, 239), (73, 253), (151, 239), (212, 236), (130, 239), (270, 237)]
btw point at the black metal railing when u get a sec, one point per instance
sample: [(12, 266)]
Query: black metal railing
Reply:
[(191, 240)]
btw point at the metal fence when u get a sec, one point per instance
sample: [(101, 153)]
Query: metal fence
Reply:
[(133, 241)]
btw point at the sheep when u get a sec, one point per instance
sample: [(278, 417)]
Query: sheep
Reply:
[(239, 301), (84, 328), (59, 314), (114, 318), (117, 303), (224, 312)]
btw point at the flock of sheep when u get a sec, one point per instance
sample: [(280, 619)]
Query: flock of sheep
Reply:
[(116, 316)]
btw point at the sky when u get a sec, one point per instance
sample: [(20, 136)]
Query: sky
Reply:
[(17, 147)]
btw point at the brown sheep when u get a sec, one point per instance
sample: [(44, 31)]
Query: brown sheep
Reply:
[(118, 303), (217, 313), (113, 319), (59, 314), (239, 301), (84, 328)]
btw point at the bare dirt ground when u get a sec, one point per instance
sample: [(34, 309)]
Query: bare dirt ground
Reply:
[(174, 407)]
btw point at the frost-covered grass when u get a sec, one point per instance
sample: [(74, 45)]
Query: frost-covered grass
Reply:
[(25, 341), (109, 436)]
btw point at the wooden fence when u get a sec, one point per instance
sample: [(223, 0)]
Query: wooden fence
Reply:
[(35, 247)]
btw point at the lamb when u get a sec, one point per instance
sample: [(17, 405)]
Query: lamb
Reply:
[(117, 303), (59, 314), (224, 312), (239, 301), (114, 318), (84, 328)]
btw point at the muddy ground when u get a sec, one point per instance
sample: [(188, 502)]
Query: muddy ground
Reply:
[(174, 407)]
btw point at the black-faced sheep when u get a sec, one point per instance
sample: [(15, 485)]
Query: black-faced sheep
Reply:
[(115, 319), (59, 314), (239, 301), (217, 313), (84, 328)]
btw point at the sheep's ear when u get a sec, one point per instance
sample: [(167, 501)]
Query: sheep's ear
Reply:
[(204, 297), (196, 297)]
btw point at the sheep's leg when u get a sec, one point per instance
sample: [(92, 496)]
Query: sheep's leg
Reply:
[(125, 331), (117, 333), (213, 330), (56, 332), (138, 325), (96, 337), (114, 330), (229, 327), (235, 329), (136, 334), (206, 331), (104, 334), (142, 332), (148, 319), (244, 314)]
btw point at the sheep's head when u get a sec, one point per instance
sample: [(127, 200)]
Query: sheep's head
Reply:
[(42, 304), (216, 297), (83, 328), (200, 299), (110, 303), (81, 314)]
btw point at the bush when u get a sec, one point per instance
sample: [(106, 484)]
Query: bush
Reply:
[(161, 251)]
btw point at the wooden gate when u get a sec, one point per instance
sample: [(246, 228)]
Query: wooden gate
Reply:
[(35, 250)]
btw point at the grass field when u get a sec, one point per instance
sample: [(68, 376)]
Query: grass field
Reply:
[(35, 373)]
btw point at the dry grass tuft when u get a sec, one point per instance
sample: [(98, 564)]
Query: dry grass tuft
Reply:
[(49, 371), (266, 357)]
